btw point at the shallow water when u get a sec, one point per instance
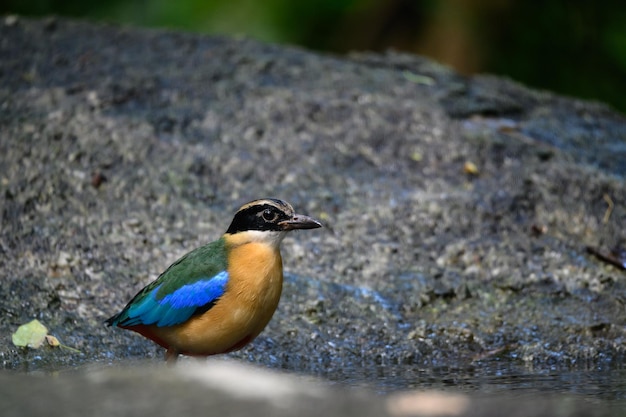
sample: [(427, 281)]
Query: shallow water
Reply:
[(597, 385)]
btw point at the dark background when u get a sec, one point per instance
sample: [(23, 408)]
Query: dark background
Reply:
[(574, 47)]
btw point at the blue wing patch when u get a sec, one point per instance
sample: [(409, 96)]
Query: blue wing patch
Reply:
[(178, 306)]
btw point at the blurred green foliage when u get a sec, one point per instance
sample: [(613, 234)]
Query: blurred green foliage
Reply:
[(574, 47)]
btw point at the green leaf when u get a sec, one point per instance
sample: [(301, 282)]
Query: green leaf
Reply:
[(30, 335)]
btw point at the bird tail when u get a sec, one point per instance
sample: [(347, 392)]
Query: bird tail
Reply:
[(112, 321)]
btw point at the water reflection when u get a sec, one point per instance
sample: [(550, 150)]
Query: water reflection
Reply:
[(496, 377)]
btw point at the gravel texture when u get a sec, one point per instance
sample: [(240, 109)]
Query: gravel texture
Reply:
[(458, 211)]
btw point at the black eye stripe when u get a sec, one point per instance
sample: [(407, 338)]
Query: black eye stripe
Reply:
[(258, 217)]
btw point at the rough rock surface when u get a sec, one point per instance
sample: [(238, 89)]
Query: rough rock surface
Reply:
[(457, 210)]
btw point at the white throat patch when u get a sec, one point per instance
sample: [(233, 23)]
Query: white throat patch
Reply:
[(269, 237)]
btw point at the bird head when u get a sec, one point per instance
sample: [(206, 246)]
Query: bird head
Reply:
[(268, 220)]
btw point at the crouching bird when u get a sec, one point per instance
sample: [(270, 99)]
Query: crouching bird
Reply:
[(218, 297)]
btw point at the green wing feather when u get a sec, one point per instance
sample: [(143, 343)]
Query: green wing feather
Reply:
[(201, 263), (189, 286)]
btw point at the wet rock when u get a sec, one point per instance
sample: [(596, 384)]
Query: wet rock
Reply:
[(236, 390), (420, 262)]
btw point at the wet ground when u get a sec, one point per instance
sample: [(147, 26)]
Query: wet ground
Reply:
[(458, 211)]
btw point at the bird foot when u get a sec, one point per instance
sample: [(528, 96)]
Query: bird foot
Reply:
[(171, 356)]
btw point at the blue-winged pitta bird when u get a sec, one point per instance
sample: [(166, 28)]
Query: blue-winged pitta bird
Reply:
[(218, 297)]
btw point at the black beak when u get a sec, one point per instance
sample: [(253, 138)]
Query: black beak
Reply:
[(300, 221)]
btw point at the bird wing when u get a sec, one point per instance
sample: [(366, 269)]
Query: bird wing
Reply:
[(190, 286)]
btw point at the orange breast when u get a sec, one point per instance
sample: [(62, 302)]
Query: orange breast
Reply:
[(254, 286)]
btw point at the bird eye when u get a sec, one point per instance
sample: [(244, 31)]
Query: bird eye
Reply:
[(269, 215)]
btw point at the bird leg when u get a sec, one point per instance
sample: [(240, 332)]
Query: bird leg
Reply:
[(171, 356)]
